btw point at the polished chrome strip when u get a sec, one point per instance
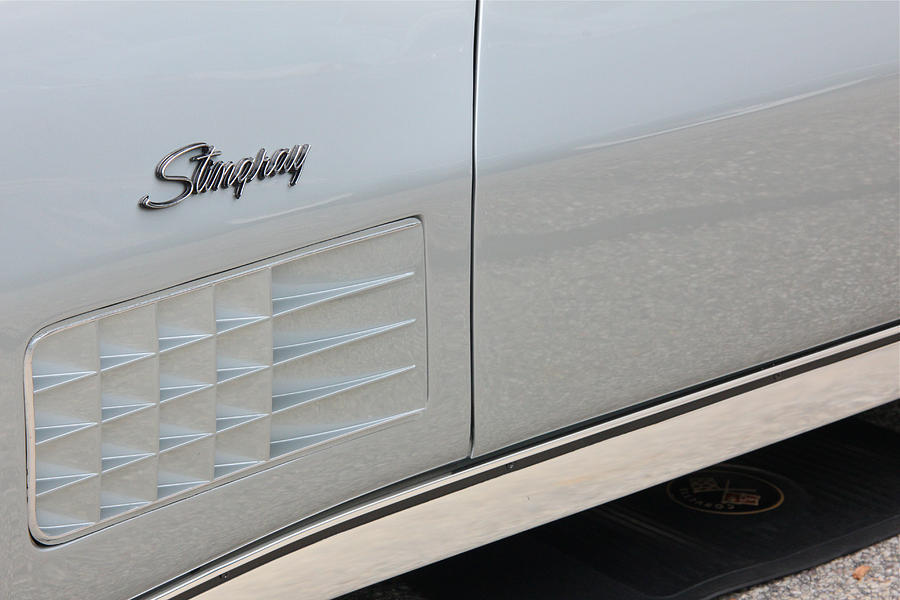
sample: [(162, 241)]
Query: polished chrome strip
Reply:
[(500, 497)]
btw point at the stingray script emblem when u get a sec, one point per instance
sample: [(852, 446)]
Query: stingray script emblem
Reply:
[(210, 174)]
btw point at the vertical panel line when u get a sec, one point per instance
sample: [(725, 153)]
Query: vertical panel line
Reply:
[(476, 49)]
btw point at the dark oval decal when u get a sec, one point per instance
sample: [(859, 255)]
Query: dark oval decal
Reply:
[(725, 491)]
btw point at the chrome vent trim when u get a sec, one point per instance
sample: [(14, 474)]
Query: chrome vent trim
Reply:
[(143, 404)]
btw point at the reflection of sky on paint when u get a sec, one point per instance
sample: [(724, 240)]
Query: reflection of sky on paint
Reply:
[(100, 93), (629, 66), (653, 265), (164, 75), (137, 41)]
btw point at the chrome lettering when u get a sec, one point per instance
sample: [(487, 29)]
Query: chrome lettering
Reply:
[(211, 175)]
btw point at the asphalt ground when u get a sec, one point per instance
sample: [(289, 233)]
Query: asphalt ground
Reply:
[(835, 579), (872, 573)]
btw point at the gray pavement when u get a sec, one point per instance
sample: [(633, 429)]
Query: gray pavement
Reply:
[(834, 580)]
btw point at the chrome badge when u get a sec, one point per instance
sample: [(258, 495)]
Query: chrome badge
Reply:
[(210, 175)]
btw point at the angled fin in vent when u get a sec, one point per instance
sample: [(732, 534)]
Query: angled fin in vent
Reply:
[(168, 442), (51, 432), (291, 444), (229, 323), (225, 373), (110, 361), (118, 410), (45, 484), (313, 294), (50, 380), (288, 352), (291, 399), (112, 462), (223, 423), (176, 391), (170, 342)]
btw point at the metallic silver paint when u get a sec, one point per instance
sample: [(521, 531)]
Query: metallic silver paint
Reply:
[(560, 486), (78, 79), (225, 368), (671, 192), (725, 109)]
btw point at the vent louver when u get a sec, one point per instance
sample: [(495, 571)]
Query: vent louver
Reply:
[(148, 403)]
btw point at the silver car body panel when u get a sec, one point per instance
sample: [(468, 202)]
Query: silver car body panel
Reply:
[(94, 95), (670, 192)]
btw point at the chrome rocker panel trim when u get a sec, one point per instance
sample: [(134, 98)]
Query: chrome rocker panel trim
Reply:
[(478, 504)]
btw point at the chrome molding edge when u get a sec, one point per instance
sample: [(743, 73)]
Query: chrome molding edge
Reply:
[(499, 497)]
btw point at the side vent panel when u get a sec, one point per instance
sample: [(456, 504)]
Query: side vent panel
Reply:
[(143, 404)]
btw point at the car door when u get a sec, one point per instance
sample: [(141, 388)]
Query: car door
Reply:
[(668, 193)]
